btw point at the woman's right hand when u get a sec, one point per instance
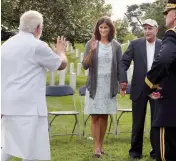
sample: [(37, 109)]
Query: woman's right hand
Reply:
[(93, 43)]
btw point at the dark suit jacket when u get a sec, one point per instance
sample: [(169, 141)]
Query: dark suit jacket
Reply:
[(163, 73), (137, 52)]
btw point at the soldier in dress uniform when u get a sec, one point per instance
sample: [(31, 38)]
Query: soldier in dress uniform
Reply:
[(161, 82)]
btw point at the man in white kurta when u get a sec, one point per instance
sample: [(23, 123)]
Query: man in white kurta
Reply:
[(25, 60)]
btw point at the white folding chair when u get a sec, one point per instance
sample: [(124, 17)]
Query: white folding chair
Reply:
[(122, 111), (60, 91)]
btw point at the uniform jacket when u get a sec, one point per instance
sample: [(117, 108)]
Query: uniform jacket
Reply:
[(163, 74)]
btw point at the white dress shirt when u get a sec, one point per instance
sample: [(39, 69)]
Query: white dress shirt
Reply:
[(150, 54), (23, 76)]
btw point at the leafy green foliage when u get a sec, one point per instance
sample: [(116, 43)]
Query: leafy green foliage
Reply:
[(73, 19), (136, 14)]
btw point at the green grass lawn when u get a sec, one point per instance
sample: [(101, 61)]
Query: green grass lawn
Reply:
[(65, 148)]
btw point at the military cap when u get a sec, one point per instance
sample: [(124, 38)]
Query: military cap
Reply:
[(170, 5)]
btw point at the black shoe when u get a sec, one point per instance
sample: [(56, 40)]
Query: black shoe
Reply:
[(134, 155), (102, 152), (152, 154), (153, 157)]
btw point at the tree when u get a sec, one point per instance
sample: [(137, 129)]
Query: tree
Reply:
[(121, 26), (136, 14), (72, 18)]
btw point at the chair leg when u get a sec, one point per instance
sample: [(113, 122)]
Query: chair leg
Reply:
[(84, 130), (74, 127), (116, 126), (78, 125), (52, 119), (117, 123), (50, 123), (111, 121)]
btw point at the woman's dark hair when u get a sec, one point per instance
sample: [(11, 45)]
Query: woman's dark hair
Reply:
[(108, 21)]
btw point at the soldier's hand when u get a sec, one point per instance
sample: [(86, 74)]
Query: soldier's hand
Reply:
[(155, 95)]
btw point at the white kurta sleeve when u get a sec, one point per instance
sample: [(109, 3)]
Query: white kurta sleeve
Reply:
[(46, 57)]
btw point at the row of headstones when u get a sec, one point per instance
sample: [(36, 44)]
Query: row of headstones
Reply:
[(72, 51), (61, 75), (78, 54)]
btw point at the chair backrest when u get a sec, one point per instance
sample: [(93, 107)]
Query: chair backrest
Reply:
[(61, 90), (82, 90)]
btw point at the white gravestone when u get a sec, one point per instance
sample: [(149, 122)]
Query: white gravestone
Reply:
[(62, 77), (71, 68), (77, 53), (52, 76), (86, 72), (73, 80), (79, 69), (71, 50), (68, 46), (81, 57)]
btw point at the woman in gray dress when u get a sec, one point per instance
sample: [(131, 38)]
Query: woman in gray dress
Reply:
[(102, 55)]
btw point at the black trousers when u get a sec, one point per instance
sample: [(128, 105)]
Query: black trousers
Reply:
[(138, 119), (166, 144)]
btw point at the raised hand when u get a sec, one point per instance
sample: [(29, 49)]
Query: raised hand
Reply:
[(93, 43), (61, 45)]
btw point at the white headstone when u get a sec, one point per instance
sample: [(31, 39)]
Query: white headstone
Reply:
[(62, 77), (79, 69), (71, 68), (73, 80), (128, 42), (130, 73), (52, 80), (131, 70), (68, 46), (71, 50), (81, 57), (77, 53), (66, 69), (86, 72)]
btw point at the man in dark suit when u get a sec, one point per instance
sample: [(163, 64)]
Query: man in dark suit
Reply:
[(142, 51), (162, 77)]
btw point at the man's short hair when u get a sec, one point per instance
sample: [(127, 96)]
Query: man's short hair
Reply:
[(30, 20)]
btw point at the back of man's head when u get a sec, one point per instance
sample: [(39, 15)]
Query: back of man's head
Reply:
[(30, 20)]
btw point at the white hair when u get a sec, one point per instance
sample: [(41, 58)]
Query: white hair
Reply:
[(30, 20)]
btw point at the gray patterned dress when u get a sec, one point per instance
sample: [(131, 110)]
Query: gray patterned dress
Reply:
[(102, 103)]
